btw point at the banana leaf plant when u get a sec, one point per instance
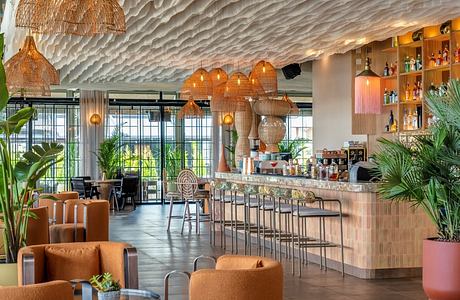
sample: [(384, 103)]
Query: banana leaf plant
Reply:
[(108, 154), (18, 179)]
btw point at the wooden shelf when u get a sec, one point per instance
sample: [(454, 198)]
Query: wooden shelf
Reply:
[(390, 50), (390, 77), (418, 102), (413, 73), (456, 64), (438, 68), (390, 104), (441, 37), (412, 45), (411, 130)]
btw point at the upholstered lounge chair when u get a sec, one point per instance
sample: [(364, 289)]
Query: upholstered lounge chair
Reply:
[(56, 207), (44, 263), (61, 290), (85, 221)]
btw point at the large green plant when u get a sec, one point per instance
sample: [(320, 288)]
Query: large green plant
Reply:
[(108, 155), (173, 156), (294, 147), (18, 179), (427, 173)]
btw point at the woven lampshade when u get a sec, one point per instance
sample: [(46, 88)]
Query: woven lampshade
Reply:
[(185, 90), (257, 89), (218, 76), (294, 108), (200, 84), (265, 73), (238, 86), (29, 72), (77, 17), (190, 110), (220, 103)]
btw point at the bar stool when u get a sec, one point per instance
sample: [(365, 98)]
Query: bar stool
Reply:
[(303, 212), (218, 189), (283, 207), (237, 198), (252, 201), (267, 205)]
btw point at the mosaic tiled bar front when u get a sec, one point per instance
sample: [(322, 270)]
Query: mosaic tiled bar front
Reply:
[(382, 239)]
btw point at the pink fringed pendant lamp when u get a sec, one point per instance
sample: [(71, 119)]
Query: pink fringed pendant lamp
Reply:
[(368, 91)]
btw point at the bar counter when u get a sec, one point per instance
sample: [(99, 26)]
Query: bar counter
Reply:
[(382, 239)]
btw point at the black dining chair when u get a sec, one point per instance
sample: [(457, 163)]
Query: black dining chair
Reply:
[(85, 189), (127, 190)]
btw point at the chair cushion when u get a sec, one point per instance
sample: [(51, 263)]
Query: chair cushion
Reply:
[(64, 263), (243, 263), (65, 233), (315, 212)]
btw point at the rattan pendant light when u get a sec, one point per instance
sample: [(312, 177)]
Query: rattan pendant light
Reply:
[(294, 108), (200, 84), (238, 86), (265, 73), (258, 90), (190, 110), (218, 76), (77, 17), (28, 72)]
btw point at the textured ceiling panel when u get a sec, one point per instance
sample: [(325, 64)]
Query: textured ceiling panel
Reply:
[(166, 39)]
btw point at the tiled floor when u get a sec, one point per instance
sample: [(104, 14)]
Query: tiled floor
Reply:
[(160, 252)]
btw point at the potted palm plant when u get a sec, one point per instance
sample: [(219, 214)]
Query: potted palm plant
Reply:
[(108, 155), (427, 174), (18, 179), (107, 288)]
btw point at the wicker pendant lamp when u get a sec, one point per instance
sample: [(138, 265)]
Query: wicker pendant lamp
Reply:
[(77, 17), (294, 108), (265, 73), (238, 86), (218, 76), (200, 84), (190, 110), (258, 90), (28, 72)]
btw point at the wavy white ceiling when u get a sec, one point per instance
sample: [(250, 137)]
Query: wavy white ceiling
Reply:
[(166, 39)]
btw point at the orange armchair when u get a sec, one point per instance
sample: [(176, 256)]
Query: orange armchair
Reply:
[(56, 207), (84, 221), (37, 228), (44, 263), (239, 277), (44, 291)]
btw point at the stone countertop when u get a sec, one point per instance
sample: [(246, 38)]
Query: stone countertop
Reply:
[(301, 182)]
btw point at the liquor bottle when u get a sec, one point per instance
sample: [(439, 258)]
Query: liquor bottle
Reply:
[(391, 70), (418, 62), (391, 97), (432, 60), (420, 91), (445, 56), (407, 64), (409, 120), (408, 92), (395, 98), (439, 59), (333, 171), (405, 121), (394, 127), (391, 119), (386, 99), (412, 64), (419, 117), (386, 70)]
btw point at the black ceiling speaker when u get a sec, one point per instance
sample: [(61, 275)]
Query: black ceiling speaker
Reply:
[(291, 71)]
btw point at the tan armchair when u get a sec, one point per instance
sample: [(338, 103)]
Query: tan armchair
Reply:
[(44, 263), (239, 277), (61, 290), (37, 228), (84, 221), (56, 207)]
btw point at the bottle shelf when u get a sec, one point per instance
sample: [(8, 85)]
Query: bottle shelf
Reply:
[(413, 73), (390, 50), (438, 68), (440, 38), (418, 102), (456, 64), (390, 104), (390, 77), (415, 44)]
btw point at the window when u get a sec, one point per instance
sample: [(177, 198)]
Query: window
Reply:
[(300, 133)]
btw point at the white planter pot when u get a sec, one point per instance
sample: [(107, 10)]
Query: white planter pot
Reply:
[(115, 295)]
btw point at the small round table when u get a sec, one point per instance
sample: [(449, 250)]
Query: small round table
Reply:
[(128, 294)]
